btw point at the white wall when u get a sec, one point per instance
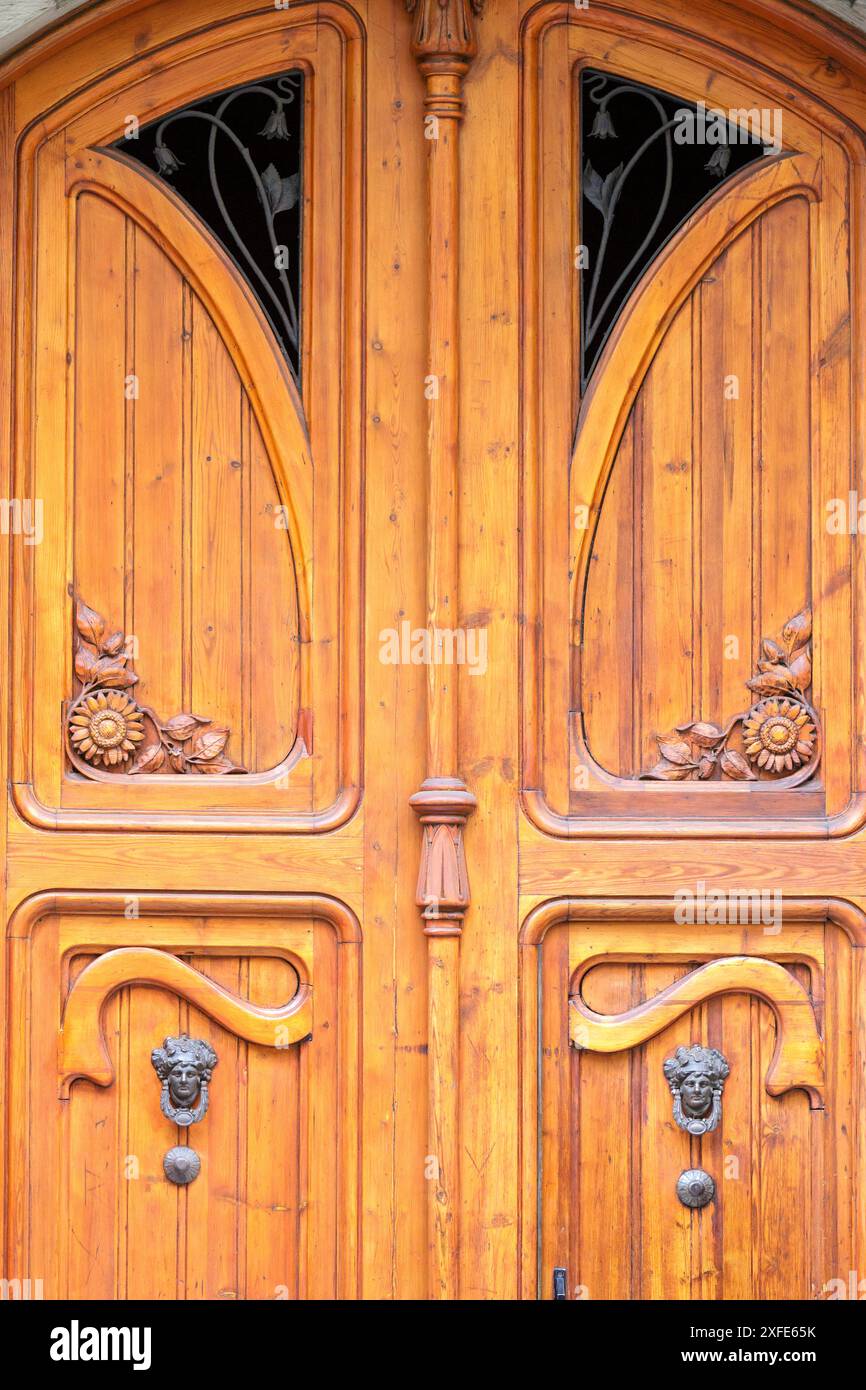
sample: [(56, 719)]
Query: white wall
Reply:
[(15, 13)]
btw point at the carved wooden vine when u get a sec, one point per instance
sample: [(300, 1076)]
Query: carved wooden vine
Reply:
[(106, 728), (779, 734)]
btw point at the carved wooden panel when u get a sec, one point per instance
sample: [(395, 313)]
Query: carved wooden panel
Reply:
[(617, 998), (195, 500), (676, 511), (276, 1144)]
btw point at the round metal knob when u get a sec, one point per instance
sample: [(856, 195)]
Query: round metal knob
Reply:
[(695, 1188), (182, 1165)]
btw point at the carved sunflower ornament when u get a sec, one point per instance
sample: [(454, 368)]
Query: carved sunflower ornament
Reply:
[(780, 734), (106, 727), (108, 730)]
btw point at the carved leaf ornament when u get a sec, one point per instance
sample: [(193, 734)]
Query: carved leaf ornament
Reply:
[(108, 730), (779, 734)]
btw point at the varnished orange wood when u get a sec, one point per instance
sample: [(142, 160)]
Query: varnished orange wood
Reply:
[(207, 953), (82, 1045), (555, 615), (438, 1137), (444, 44), (798, 1060), (317, 792), (621, 957)]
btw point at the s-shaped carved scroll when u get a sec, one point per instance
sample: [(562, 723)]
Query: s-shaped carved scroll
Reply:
[(798, 1059), (83, 1051)]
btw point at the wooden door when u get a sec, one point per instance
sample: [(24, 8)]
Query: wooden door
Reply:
[(187, 661), (433, 439), (700, 373)]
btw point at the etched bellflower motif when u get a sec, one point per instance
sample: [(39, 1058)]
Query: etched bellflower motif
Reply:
[(275, 127), (718, 162), (167, 162), (603, 127)]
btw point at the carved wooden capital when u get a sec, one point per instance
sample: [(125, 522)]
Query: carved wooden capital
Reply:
[(444, 44), (443, 805)]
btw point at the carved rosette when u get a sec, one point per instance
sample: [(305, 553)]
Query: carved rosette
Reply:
[(779, 735), (443, 805), (107, 731)]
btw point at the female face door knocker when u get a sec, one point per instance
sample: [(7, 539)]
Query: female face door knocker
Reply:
[(696, 1076), (184, 1065)]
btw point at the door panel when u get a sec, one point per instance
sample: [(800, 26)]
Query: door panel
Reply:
[(197, 481), (691, 526), (783, 1158), (98, 1215)]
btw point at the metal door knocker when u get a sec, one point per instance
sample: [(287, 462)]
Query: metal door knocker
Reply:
[(184, 1065), (696, 1076)]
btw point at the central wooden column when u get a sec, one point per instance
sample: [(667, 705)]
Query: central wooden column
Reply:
[(444, 45)]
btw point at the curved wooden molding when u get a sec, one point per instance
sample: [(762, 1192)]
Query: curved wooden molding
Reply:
[(43, 817), (82, 1048), (79, 903), (798, 1059), (836, 38), (839, 911)]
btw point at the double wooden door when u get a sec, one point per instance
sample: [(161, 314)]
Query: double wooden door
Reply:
[(432, 710)]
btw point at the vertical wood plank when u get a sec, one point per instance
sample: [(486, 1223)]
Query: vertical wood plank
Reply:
[(272, 606), (99, 513), (96, 1146), (667, 538), (613, 592), (556, 1133), (213, 1201), (273, 1194), (155, 584), (666, 1240), (602, 1261), (724, 431), (394, 1017), (785, 463), (150, 1205), (784, 1140), (215, 531)]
